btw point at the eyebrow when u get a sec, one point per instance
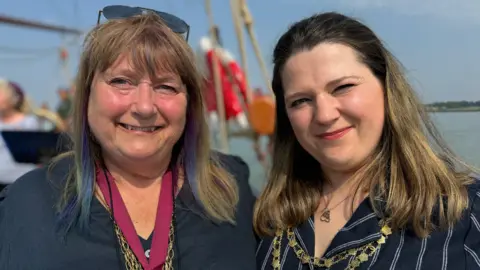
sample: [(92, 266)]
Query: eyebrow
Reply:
[(124, 71), (166, 77), (339, 80)]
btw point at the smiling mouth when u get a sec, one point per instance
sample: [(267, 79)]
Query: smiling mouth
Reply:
[(337, 134), (141, 129)]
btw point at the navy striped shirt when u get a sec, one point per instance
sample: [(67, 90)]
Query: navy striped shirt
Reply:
[(456, 248)]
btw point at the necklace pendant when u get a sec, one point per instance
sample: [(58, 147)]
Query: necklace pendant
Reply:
[(325, 217)]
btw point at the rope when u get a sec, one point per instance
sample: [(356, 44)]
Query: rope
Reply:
[(248, 20), (237, 21)]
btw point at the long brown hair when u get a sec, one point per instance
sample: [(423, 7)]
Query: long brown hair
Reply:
[(412, 170), (153, 46)]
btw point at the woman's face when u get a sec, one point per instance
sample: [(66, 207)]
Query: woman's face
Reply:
[(6, 103), (335, 105), (136, 117)]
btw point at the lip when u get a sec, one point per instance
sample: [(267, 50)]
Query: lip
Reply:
[(336, 134), (139, 129)]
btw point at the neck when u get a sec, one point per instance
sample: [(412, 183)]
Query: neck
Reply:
[(339, 183), (343, 187), (138, 175), (9, 116)]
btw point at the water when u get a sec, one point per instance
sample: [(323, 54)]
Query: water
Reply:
[(460, 130)]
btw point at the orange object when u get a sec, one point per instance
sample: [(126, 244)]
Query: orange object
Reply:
[(63, 54), (262, 115)]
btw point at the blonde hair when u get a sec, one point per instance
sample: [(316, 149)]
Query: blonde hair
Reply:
[(411, 177), (154, 46)]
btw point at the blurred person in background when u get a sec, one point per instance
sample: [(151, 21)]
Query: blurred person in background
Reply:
[(15, 114), (64, 109)]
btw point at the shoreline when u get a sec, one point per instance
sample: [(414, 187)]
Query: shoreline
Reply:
[(464, 109)]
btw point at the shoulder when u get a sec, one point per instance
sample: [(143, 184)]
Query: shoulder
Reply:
[(33, 191), (473, 209), (233, 164), (240, 171), (471, 220), (30, 118), (28, 212), (474, 187), (473, 192), (236, 166), (31, 121)]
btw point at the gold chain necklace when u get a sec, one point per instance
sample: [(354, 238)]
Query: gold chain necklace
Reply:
[(360, 254), (131, 261)]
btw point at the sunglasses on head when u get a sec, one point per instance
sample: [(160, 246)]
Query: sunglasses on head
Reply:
[(177, 25)]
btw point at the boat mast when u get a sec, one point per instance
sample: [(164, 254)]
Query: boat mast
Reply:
[(224, 142), (38, 25)]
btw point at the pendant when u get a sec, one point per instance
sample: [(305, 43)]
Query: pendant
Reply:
[(325, 217)]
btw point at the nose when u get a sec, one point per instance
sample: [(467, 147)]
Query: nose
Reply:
[(144, 104), (326, 109)]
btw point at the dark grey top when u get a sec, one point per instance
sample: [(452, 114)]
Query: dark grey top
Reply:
[(10, 170), (28, 239), (457, 248)]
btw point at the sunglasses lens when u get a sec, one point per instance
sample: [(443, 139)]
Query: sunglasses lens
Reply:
[(173, 22), (118, 12), (176, 24)]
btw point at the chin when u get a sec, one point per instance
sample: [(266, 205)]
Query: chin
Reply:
[(138, 154), (337, 162)]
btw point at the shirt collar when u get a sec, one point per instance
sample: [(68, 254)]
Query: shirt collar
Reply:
[(362, 228)]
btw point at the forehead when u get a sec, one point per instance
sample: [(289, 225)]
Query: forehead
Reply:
[(322, 64), (126, 66)]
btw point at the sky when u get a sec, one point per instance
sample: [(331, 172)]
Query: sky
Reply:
[(438, 41)]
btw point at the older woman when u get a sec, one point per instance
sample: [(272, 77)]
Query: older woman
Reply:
[(141, 189), (360, 178), (14, 111), (14, 115)]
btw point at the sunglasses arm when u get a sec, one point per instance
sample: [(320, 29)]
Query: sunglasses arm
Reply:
[(99, 16)]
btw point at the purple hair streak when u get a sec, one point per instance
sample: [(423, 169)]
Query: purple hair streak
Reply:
[(190, 150), (77, 208)]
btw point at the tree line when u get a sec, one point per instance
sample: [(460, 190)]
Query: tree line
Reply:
[(455, 104)]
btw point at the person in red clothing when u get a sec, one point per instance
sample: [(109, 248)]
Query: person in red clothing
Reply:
[(232, 80)]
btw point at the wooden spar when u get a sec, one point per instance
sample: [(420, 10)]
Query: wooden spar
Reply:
[(248, 21), (241, 15), (218, 87), (237, 22), (38, 25)]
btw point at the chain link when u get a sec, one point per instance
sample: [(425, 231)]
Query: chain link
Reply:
[(358, 255), (131, 261)]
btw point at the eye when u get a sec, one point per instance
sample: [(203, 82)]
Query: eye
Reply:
[(298, 102), (165, 88), (343, 87), (121, 83)]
